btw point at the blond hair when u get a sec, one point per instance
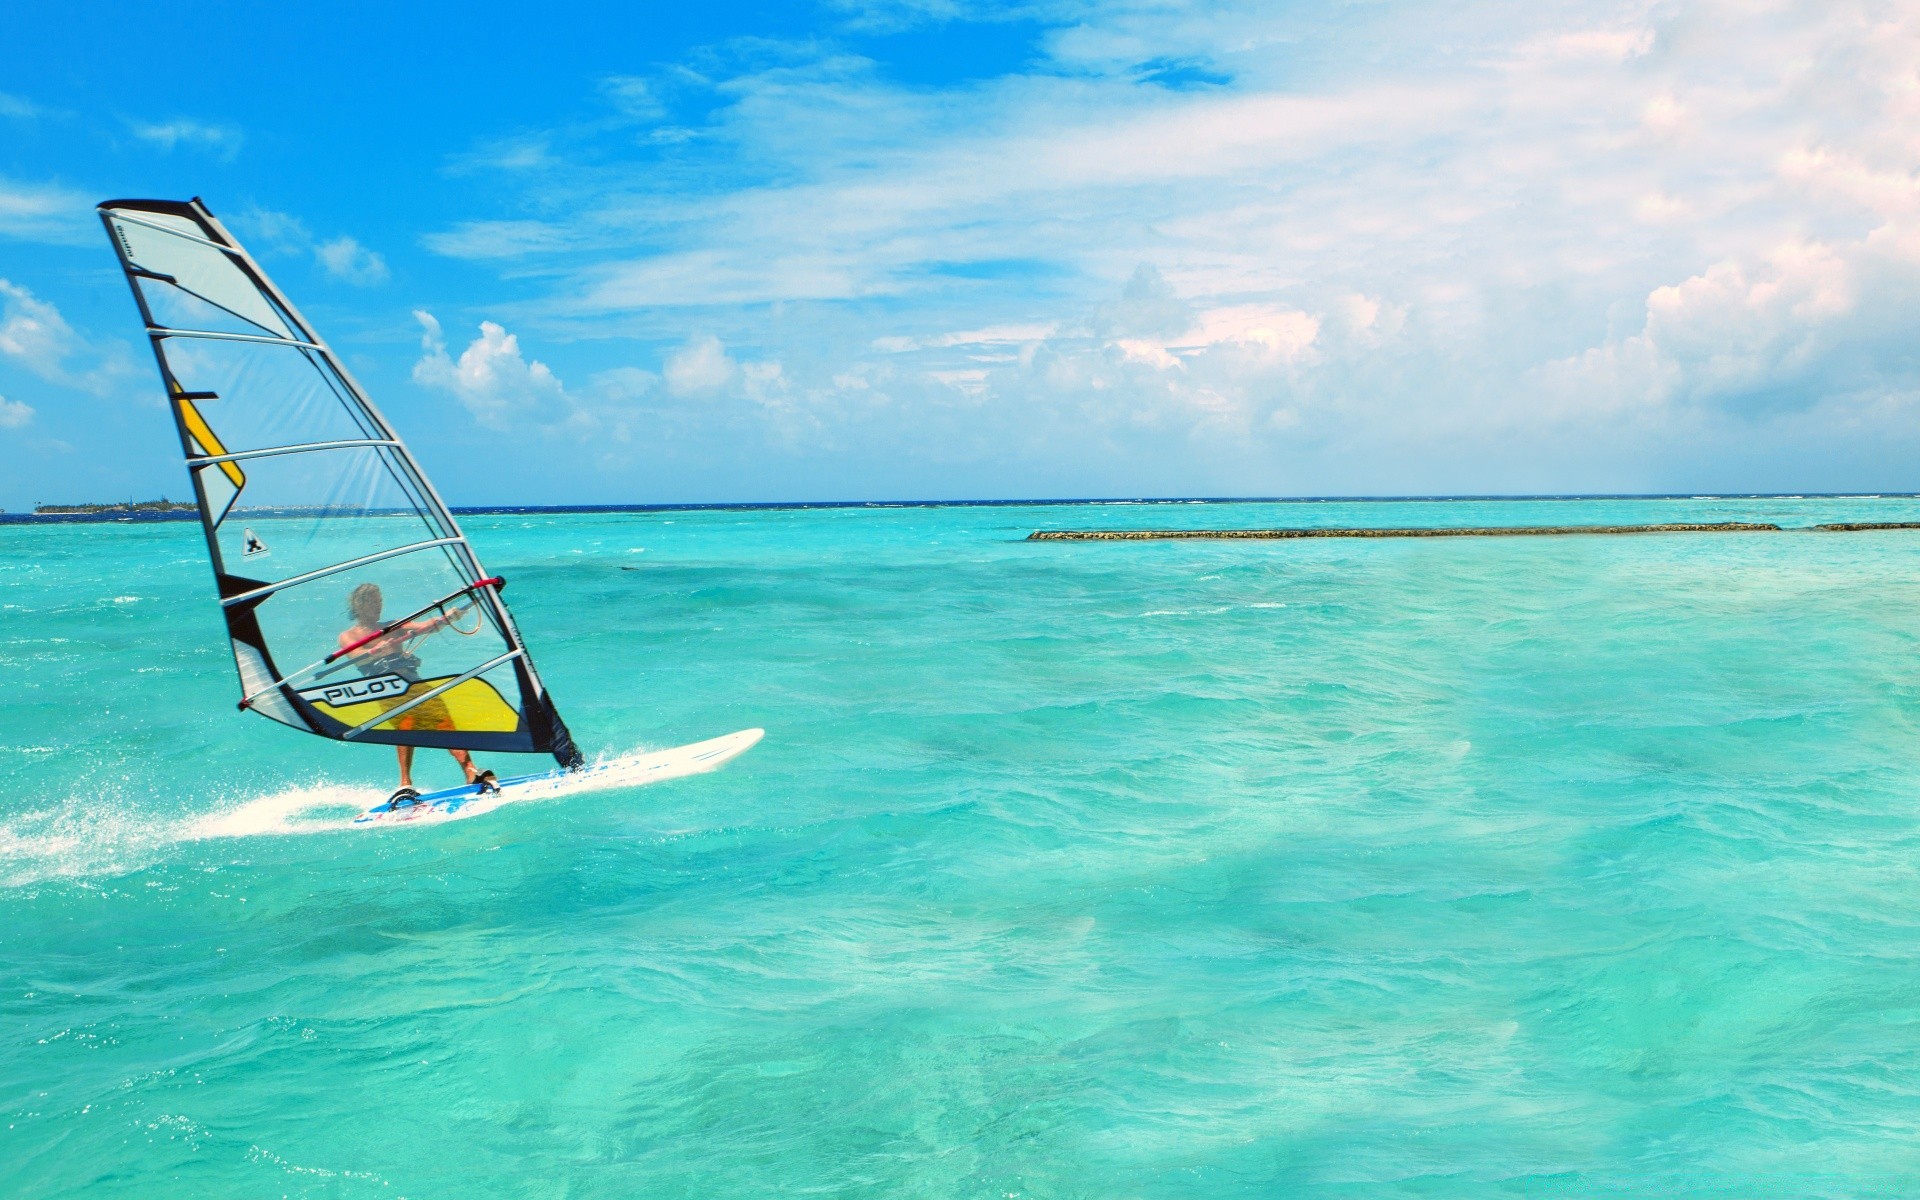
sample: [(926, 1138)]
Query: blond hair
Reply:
[(364, 604)]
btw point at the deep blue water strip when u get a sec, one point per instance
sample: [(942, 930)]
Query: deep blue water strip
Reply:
[(123, 516)]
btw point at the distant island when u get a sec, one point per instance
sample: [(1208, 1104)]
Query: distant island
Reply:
[(162, 505)]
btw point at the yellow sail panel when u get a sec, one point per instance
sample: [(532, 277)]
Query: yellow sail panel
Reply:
[(471, 707), (203, 435)]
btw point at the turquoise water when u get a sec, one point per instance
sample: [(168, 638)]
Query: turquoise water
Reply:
[(1538, 867)]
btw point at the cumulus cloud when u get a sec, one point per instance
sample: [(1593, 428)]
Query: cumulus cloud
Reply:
[(33, 333), (1782, 332), (14, 414), (699, 367), (1793, 323), (504, 389), (491, 377), (35, 336), (346, 259)]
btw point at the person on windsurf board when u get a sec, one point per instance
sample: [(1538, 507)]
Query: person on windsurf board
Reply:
[(378, 649), (273, 428)]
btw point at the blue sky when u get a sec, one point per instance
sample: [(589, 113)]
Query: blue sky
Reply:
[(936, 249)]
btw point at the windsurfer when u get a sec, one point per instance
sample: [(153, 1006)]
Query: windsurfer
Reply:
[(389, 654)]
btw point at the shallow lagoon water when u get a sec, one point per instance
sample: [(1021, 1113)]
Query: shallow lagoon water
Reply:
[(1532, 867)]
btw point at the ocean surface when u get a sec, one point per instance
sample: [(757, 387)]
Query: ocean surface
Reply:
[(1475, 867)]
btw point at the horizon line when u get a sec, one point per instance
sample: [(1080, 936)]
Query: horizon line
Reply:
[(131, 515)]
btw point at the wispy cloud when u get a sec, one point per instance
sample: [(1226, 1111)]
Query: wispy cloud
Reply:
[(499, 239), (342, 258), (514, 153), (280, 232), (14, 414), (44, 213), (222, 141), (17, 108), (636, 97), (346, 259)]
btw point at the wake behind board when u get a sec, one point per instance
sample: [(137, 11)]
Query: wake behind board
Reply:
[(633, 770)]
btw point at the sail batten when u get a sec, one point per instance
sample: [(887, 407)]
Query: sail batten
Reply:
[(214, 335), (212, 459), (313, 576), (318, 519)]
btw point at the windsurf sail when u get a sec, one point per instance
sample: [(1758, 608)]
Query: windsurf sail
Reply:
[(355, 607)]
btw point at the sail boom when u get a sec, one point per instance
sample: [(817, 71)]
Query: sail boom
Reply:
[(303, 448), (335, 569), (433, 694)]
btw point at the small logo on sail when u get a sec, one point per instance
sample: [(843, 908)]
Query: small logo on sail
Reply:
[(250, 544), (356, 691)]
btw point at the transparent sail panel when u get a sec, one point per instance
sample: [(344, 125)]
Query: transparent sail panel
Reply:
[(254, 396), (176, 308), (404, 631), (312, 619), (196, 279), (307, 511), (354, 606)]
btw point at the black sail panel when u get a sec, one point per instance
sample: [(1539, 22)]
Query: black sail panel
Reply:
[(356, 608)]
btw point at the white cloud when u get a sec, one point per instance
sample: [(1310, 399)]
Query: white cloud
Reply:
[(221, 140), (34, 334), (1782, 333), (699, 367), (345, 258), (636, 98), (497, 239), (17, 108), (43, 213), (505, 390), (491, 377), (1374, 263), (342, 257), (625, 383), (282, 232), (519, 154), (14, 414)]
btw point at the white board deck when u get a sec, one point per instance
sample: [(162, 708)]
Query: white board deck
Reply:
[(632, 770)]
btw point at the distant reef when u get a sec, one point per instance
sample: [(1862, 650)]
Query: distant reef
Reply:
[(162, 505), (1149, 535)]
